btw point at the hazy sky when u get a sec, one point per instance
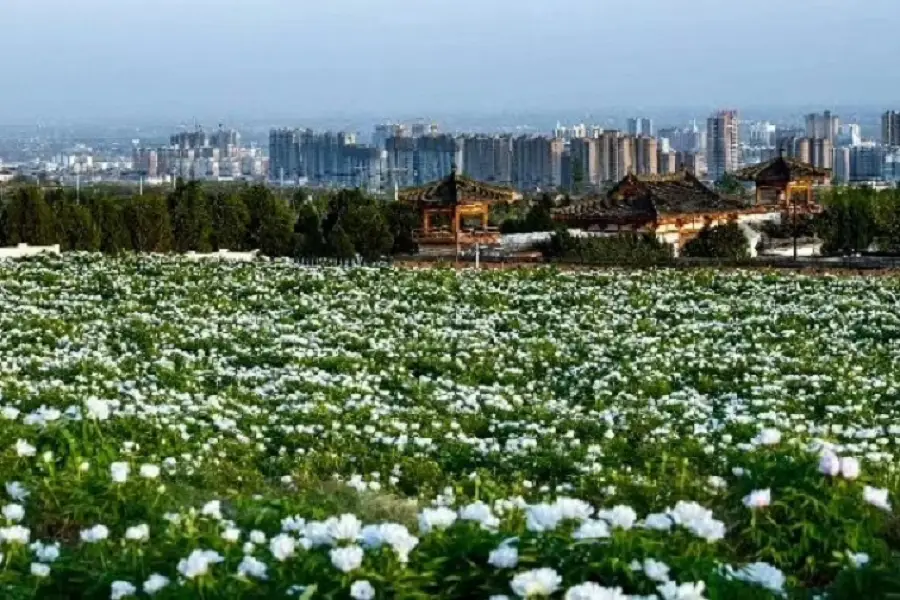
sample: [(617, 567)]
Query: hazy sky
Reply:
[(304, 58)]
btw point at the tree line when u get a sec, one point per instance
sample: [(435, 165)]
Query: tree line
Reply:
[(194, 217)]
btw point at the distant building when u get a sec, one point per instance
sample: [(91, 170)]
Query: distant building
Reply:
[(842, 165), (823, 126), (537, 162), (850, 135), (488, 158), (722, 144), (401, 161), (435, 157), (890, 128), (668, 162), (645, 155), (640, 126), (867, 163), (585, 157)]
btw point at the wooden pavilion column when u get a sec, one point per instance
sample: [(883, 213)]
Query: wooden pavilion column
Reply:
[(456, 217), (485, 217), (809, 196), (426, 221)]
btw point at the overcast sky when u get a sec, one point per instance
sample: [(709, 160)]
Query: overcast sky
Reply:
[(145, 58)]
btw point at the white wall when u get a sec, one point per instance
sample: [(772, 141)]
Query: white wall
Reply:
[(25, 250)]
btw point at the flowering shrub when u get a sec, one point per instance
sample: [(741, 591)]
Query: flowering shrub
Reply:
[(173, 429)]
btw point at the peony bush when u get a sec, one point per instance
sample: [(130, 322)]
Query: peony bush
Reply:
[(174, 429)]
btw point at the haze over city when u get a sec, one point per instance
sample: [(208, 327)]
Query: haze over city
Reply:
[(279, 59)]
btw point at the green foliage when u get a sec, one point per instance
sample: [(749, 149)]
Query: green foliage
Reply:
[(191, 222), (724, 241), (271, 225), (848, 221), (402, 221), (75, 226), (230, 222), (308, 230), (631, 249), (148, 223), (109, 215), (730, 185), (338, 244), (538, 218), (28, 218)]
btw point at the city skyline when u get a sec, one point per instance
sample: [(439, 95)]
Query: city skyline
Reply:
[(98, 59)]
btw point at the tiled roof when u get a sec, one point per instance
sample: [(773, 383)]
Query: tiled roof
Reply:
[(646, 197), (456, 189), (782, 169)]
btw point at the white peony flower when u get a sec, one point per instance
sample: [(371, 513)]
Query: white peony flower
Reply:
[(762, 574), (594, 591), (251, 567), (14, 512), (121, 589), (592, 529), (24, 449), (17, 491), (686, 591), (149, 471), (138, 533), (198, 562), (15, 534), (347, 559), (537, 582), (829, 464), (155, 583), (362, 590), (119, 471), (45, 553), (345, 528), (758, 499), (504, 557), (40, 570), (282, 547), (97, 409), (849, 467), (877, 497), (435, 518), (95, 534), (656, 570)]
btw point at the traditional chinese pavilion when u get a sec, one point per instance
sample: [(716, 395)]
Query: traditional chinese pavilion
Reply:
[(674, 207), (785, 182), (455, 210)]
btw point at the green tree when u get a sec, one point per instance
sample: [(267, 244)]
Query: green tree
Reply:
[(725, 241), (403, 220), (339, 244), (191, 222), (368, 231), (847, 223), (108, 214), (310, 241), (29, 219), (730, 185), (230, 222), (75, 226), (148, 223), (271, 227)]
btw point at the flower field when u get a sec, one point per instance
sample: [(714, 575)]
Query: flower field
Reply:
[(173, 429)]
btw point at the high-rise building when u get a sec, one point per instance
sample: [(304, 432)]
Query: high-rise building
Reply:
[(867, 163), (488, 158), (585, 159), (645, 155), (722, 144), (435, 157), (640, 126), (626, 157), (284, 154), (890, 128), (537, 162), (841, 164), (609, 157), (823, 126), (668, 163), (401, 161)]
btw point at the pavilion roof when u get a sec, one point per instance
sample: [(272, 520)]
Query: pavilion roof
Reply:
[(782, 170), (648, 197), (456, 189)]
